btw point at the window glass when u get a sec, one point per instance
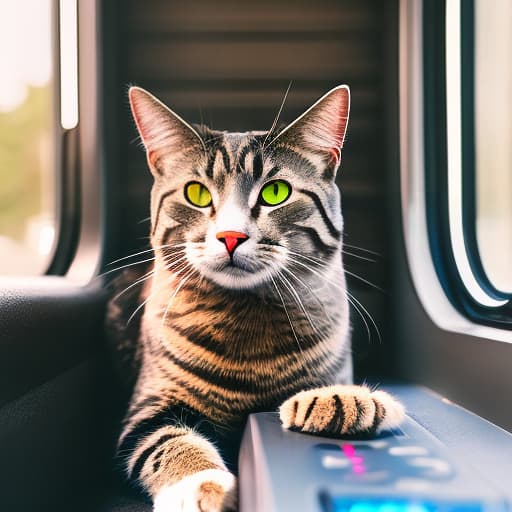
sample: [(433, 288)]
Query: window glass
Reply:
[(493, 139), (27, 137)]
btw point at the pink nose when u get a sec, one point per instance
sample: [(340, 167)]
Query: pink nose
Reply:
[(232, 239)]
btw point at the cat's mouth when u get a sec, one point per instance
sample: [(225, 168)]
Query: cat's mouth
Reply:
[(236, 263), (236, 273)]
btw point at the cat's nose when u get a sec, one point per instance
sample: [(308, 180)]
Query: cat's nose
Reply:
[(231, 239)]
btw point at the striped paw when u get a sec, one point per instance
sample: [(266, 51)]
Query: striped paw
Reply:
[(211, 490), (341, 410)]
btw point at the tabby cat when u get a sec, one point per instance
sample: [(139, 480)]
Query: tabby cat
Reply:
[(245, 308)]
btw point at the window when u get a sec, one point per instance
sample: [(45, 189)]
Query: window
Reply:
[(468, 155), (493, 139), (27, 137), (38, 140)]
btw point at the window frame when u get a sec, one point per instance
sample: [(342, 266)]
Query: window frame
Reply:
[(67, 192), (437, 168), (78, 247), (424, 178)]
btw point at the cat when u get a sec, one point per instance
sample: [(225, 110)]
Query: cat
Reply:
[(245, 308)]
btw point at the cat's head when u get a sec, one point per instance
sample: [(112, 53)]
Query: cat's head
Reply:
[(245, 209)]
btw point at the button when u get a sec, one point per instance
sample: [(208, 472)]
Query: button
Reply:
[(402, 451), (437, 465), (333, 462), (378, 445)]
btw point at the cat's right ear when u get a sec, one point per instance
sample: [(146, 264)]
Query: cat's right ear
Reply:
[(165, 135)]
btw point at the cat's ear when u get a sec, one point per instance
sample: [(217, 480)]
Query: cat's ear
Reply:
[(165, 135), (320, 131)]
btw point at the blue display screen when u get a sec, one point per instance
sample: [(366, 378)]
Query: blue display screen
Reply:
[(344, 504)]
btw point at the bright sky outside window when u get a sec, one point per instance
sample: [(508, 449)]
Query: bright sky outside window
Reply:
[(27, 137), (493, 139), (454, 150)]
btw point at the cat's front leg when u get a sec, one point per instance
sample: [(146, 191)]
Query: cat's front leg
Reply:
[(341, 410), (180, 469)]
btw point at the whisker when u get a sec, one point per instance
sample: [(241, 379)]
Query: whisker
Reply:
[(138, 308), (182, 282), (351, 296), (276, 119), (310, 290), (291, 324), (172, 259), (298, 300), (313, 271), (146, 251), (316, 261), (354, 255), (364, 281), (138, 281), (354, 305), (362, 249), (124, 266)]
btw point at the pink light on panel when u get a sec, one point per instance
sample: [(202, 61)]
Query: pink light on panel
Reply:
[(348, 450)]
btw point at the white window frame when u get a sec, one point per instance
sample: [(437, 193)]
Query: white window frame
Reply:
[(412, 173)]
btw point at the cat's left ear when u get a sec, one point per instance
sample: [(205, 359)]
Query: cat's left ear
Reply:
[(320, 131)]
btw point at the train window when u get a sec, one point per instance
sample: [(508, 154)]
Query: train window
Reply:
[(27, 137), (456, 134), (37, 111), (468, 181), (493, 139)]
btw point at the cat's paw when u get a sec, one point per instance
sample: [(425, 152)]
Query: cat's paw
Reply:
[(340, 410), (211, 490)]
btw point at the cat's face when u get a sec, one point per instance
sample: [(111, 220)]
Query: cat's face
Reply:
[(245, 209)]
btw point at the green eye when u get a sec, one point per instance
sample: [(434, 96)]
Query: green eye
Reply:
[(275, 192), (197, 194)]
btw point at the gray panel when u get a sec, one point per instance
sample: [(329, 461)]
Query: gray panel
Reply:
[(441, 454)]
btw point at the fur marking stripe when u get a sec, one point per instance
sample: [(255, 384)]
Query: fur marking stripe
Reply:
[(338, 418), (225, 159), (162, 198), (309, 410), (318, 203), (257, 165), (196, 336), (272, 172), (313, 235), (242, 384), (165, 237), (294, 412), (361, 410), (285, 366), (256, 210), (297, 160), (253, 145), (211, 163), (136, 431), (144, 456), (380, 414), (231, 383)]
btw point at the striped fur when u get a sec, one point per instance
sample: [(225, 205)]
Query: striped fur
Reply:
[(224, 335)]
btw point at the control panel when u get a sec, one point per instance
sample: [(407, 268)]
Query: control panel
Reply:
[(406, 470)]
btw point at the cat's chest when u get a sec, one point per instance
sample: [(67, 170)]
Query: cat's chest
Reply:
[(229, 355), (243, 331)]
